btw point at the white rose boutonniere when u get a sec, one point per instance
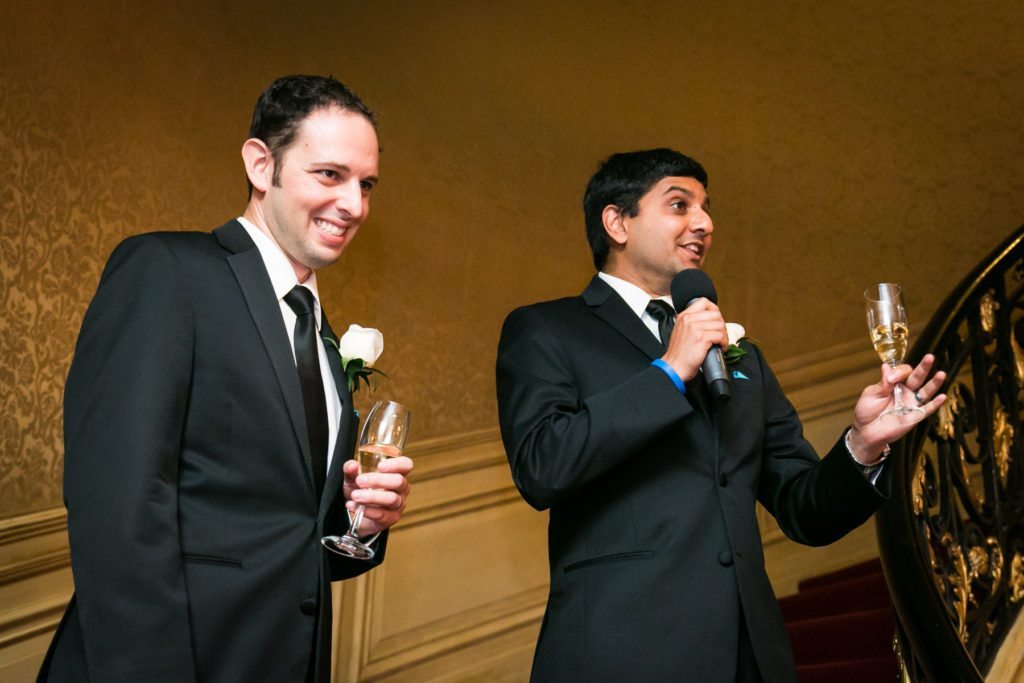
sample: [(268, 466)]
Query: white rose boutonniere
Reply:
[(736, 335), (359, 348)]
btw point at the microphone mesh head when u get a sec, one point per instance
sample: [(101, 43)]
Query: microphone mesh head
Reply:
[(691, 284)]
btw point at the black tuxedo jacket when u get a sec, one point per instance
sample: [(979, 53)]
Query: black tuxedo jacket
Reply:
[(654, 548), (192, 514)]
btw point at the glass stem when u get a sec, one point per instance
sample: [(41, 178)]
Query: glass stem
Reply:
[(356, 521), (897, 396)]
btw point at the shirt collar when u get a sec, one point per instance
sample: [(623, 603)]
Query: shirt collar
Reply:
[(279, 268), (636, 298)]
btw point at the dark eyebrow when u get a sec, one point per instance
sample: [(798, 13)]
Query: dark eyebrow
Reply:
[(707, 200), (345, 169)]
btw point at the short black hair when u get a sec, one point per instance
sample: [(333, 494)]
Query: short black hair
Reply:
[(286, 102), (622, 180)]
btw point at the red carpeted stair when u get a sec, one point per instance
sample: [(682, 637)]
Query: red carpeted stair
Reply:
[(841, 626)]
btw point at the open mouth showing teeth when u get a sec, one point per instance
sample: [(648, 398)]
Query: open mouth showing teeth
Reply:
[(695, 248), (328, 227)]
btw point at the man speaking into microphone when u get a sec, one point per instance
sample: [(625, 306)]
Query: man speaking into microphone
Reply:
[(650, 475)]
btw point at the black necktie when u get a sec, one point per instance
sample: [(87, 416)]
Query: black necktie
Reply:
[(666, 317), (307, 361)]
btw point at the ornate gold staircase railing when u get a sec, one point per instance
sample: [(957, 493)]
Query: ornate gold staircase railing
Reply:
[(952, 534)]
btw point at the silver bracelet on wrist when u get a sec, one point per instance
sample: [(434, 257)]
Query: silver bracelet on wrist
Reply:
[(849, 447)]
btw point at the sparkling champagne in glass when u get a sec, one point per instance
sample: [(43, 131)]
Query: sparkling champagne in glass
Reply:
[(887, 325), (383, 436)]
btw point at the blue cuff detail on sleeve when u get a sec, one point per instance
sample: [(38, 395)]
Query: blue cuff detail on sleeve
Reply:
[(672, 374)]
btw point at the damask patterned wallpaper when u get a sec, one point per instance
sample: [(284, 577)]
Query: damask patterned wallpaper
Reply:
[(846, 144)]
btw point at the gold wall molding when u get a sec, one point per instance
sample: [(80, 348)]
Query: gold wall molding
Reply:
[(35, 584), (23, 623), (477, 456), (43, 562), (829, 381), (32, 544), (33, 524), (472, 553)]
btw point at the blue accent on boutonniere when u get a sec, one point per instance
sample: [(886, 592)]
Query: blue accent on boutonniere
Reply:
[(738, 375)]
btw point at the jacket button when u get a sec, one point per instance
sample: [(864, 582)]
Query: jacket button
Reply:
[(308, 606), (723, 480), (725, 558)]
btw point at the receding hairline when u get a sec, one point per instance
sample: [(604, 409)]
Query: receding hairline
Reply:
[(330, 106)]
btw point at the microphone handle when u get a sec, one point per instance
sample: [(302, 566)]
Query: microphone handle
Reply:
[(715, 374)]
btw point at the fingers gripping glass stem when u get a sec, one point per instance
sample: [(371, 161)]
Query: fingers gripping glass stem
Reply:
[(383, 436)]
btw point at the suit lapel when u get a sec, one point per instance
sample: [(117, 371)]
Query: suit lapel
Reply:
[(347, 424), (609, 306), (251, 273)]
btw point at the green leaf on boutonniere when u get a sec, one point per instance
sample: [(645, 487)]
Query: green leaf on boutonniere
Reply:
[(357, 371), (734, 352)]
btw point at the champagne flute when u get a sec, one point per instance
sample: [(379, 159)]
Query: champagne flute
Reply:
[(383, 436), (887, 324)]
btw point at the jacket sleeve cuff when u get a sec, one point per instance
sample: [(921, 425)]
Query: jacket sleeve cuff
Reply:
[(672, 374)]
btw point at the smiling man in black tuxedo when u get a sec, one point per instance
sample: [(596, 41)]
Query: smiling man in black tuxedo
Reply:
[(657, 569), (202, 464)]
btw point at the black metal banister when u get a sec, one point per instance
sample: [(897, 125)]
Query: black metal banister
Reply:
[(952, 533)]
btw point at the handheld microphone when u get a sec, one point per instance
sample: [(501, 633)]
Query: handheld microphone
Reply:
[(688, 286)]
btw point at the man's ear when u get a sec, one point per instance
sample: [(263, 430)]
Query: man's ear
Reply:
[(614, 225), (259, 163)]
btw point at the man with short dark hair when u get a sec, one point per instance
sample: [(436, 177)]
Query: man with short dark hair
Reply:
[(208, 425), (657, 569)]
